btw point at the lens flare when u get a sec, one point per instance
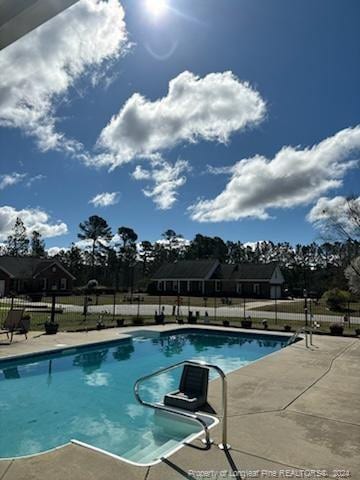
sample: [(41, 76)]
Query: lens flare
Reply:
[(156, 8)]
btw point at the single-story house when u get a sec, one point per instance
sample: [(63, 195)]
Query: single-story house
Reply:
[(30, 274), (210, 277)]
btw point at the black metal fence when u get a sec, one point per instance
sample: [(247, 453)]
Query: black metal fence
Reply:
[(95, 310)]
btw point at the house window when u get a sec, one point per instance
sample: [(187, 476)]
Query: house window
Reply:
[(217, 286), (54, 285), (239, 288), (175, 285), (256, 288), (160, 286), (63, 284), (44, 283)]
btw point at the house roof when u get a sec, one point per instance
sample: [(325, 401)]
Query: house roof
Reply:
[(27, 267), (245, 271), (206, 269), (187, 270)]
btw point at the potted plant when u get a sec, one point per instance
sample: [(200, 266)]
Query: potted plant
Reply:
[(138, 321), (287, 328), (226, 323), (120, 322), (246, 323), (51, 327), (336, 329)]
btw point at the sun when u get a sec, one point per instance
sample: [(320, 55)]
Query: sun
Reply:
[(156, 8)]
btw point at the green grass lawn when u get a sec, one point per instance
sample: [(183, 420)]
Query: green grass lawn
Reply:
[(319, 309)]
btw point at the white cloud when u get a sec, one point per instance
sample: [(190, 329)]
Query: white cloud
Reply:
[(167, 178), (105, 199), (34, 219), (36, 178), (225, 170), (209, 108), (293, 177), (52, 251), (9, 179), (13, 178), (334, 211), (38, 70)]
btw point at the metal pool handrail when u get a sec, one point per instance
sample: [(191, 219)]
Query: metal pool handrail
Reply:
[(224, 445), (307, 330)]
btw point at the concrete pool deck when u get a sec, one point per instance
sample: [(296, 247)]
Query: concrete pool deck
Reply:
[(296, 409)]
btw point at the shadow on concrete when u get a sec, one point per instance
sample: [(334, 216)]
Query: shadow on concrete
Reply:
[(234, 471)]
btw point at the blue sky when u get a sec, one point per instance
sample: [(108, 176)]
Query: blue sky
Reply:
[(293, 79)]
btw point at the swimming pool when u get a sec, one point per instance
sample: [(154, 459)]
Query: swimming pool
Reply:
[(87, 393)]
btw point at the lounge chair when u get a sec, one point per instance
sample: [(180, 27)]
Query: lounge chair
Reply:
[(193, 389), (15, 323)]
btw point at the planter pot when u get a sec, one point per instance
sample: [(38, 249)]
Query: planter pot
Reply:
[(246, 323), (287, 328), (119, 322), (51, 328), (226, 323), (336, 329), (137, 321)]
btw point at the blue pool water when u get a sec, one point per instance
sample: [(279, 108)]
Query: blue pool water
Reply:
[(87, 394)]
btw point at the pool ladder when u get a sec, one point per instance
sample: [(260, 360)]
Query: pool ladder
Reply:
[(183, 413), (308, 333)]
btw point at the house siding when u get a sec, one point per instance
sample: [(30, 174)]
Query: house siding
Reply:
[(7, 282)]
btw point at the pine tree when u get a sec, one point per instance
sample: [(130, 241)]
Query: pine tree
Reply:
[(95, 229), (37, 245), (18, 243)]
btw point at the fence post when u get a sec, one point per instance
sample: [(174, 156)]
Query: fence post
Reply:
[(138, 308), (215, 308), (276, 312), (244, 308), (85, 306), (114, 306), (53, 300)]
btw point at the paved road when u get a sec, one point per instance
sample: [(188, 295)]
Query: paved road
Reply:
[(225, 311)]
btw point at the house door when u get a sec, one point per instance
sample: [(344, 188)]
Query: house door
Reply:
[(2, 288), (275, 291)]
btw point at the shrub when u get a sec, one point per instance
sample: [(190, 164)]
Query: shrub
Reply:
[(336, 299), (246, 323), (137, 321)]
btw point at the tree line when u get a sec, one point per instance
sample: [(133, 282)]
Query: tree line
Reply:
[(119, 260)]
